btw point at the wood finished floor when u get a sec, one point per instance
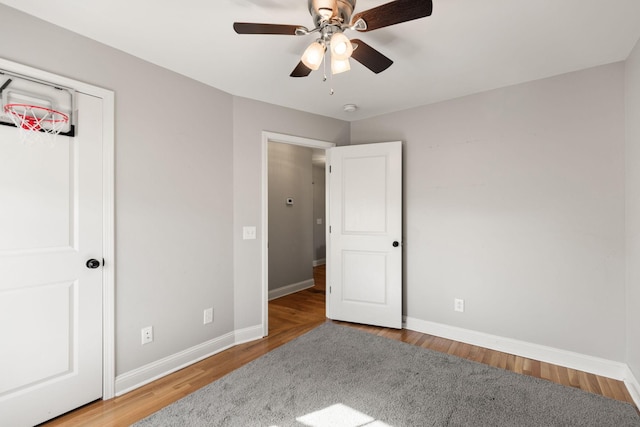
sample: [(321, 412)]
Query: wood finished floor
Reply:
[(290, 317)]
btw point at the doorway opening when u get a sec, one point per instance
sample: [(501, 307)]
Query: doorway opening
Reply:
[(286, 202)]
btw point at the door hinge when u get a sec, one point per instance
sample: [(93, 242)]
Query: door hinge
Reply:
[(329, 229), (329, 289), (329, 168)]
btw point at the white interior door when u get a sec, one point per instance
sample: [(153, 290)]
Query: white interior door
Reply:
[(50, 301), (364, 248)]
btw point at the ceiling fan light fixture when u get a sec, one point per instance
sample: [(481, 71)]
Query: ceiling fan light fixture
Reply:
[(339, 65), (341, 47), (325, 8), (313, 55), (331, 18)]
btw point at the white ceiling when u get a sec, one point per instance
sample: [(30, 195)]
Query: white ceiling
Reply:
[(465, 47)]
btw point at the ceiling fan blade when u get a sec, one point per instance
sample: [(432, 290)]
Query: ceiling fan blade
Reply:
[(393, 13), (369, 57), (301, 70), (253, 28)]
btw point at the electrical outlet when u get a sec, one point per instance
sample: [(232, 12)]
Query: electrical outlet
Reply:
[(147, 335), (208, 315), (458, 305)]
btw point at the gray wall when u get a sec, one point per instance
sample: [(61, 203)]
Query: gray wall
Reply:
[(174, 215), (319, 203), (514, 201), (178, 238), (633, 209), (290, 226)]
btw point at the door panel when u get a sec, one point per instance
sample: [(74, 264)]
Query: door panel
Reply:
[(365, 216), (364, 195), (364, 275), (39, 217), (50, 302)]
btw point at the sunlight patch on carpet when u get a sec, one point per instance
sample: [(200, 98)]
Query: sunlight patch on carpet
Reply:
[(339, 415)]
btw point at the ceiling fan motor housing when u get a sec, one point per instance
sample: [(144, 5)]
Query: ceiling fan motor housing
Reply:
[(335, 11)]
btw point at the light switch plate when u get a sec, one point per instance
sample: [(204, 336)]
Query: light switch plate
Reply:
[(248, 233)]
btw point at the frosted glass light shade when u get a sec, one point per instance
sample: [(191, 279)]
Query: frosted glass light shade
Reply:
[(339, 65), (312, 56), (341, 47)]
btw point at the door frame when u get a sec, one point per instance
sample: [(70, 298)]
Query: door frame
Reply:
[(108, 208), (264, 235)]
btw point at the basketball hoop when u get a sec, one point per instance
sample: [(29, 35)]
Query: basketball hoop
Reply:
[(33, 121)]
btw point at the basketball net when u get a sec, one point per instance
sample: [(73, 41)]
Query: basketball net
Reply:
[(36, 124)]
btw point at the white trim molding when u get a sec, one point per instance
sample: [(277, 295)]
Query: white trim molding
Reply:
[(317, 262), (148, 373), (290, 289), (591, 364), (165, 366), (251, 333), (607, 368), (633, 386)]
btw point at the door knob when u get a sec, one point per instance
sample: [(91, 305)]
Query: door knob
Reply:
[(93, 263), (396, 244)]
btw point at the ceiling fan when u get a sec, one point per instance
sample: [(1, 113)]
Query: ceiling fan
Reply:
[(331, 18)]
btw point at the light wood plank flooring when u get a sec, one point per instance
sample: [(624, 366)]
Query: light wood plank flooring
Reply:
[(290, 317)]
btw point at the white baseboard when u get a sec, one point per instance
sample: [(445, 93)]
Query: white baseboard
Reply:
[(317, 262), (290, 289), (145, 374), (633, 386), (248, 334), (591, 364), (616, 370)]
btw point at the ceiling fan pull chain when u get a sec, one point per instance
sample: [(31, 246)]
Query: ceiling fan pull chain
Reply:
[(324, 73), (331, 83), (324, 67)]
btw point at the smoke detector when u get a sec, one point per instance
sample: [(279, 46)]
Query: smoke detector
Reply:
[(350, 108)]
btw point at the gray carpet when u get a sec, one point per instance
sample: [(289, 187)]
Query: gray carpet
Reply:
[(340, 377)]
